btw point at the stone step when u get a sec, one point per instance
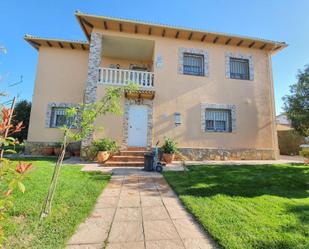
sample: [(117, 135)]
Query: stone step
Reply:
[(132, 153), (123, 164), (133, 148), (127, 158)]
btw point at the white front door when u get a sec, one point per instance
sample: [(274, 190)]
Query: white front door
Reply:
[(137, 126)]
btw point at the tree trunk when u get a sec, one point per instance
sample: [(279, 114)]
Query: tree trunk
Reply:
[(46, 210)]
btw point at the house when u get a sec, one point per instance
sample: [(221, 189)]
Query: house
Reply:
[(211, 92), (283, 123)]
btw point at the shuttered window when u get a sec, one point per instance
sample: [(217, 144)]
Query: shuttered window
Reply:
[(239, 68), (218, 120), (59, 118), (193, 64)]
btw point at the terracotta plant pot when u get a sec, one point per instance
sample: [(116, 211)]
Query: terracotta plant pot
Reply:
[(168, 158), (57, 151), (306, 160), (103, 156), (48, 151)]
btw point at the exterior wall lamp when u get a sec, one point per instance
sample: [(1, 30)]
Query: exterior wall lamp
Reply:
[(177, 118)]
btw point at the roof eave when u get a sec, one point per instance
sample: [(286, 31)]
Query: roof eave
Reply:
[(79, 15)]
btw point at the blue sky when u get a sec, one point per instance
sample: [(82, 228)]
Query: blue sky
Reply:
[(280, 20)]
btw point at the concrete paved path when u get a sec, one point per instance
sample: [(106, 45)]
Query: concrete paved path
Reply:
[(139, 210)]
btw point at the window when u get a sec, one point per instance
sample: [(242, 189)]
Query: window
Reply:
[(218, 120), (59, 118), (239, 69), (193, 64)]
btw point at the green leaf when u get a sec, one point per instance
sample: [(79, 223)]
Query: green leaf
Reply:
[(10, 151), (21, 187)]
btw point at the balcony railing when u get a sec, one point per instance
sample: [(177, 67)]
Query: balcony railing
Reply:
[(123, 77)]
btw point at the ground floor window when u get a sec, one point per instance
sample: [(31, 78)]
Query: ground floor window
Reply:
[(218, 120), (59, 118)]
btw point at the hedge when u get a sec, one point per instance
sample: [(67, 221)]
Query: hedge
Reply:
[(289, 142)]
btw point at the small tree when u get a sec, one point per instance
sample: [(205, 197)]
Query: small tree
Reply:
[(11, 177), (296, 104), (84, 118), (22, 113)]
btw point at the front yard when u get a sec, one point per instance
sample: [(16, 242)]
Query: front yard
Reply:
[(248, 206), (75, 197)]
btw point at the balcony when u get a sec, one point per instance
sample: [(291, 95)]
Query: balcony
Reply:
[(123, 77)]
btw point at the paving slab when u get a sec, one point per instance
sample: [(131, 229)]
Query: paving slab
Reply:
[(164, 244), (86, 246), (155, 213), (93, 231), (128, 214), (126, 245), (160, 230), (126, 231), (139, 210)]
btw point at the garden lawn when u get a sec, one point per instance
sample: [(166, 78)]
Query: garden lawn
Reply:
[(248, 206), (75, 197)]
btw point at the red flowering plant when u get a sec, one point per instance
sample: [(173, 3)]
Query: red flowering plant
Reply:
[(11, 175)]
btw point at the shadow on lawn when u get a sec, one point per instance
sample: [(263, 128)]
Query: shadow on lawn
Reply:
[(242, 180)]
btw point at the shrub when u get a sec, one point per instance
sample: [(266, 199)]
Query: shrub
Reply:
[(169, 146), (105, 144), (289, 142), (304, 153), (15, 148)]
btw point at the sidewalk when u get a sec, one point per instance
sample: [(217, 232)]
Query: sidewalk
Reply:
[(139, 210)]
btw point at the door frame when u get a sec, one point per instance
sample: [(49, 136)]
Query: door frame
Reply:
[(132, 132), (127, 104)]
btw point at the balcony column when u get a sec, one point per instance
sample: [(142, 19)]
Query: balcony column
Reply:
[(90, 93)]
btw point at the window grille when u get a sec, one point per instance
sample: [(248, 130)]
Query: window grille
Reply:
[(193, 64), (59, 118), (239, 69), (218, 120)]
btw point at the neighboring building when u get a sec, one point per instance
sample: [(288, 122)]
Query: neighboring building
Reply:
[(212, 92), (283, 123)]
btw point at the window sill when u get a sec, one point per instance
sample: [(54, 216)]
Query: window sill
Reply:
[(239, 79), (194, 75), (219, 132)]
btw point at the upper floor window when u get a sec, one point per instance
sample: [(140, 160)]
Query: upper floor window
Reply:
[(193, 64), (59, 118), (239, 68), (218, 120), (193, 61)]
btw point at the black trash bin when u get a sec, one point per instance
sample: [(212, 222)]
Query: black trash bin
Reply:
[(148, 161)]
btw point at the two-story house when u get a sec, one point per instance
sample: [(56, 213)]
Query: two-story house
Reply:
[(211, 92)]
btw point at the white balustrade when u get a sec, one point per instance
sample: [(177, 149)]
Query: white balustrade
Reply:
[(123, 77)]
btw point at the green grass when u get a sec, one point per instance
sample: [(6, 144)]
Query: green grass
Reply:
[(74, 199), (248, 206)]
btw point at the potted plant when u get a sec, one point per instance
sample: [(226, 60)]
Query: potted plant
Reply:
[(104, 148), (169, 148), (47, 151), (57, 149), (305, 153)]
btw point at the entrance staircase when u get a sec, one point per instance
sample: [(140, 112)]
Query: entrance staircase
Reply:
[(131, 157)]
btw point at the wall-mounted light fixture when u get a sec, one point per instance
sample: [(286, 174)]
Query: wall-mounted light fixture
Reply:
[(177, 118)]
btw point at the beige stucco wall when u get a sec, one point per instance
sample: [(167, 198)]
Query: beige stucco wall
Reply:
[(61, 78), (174, 93), (182, 93)]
